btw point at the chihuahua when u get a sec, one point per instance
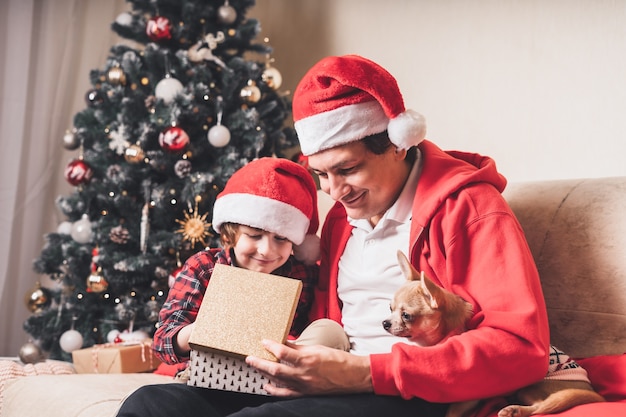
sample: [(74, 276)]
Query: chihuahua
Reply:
[(427, 314)]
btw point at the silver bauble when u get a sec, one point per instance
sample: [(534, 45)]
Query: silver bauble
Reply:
[(226, 14), (31, 353), (70, 141)]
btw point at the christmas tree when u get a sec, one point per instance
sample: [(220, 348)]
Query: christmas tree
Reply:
[(166, 123)]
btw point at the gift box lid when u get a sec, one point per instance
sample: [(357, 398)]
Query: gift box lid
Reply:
[(242, 307)]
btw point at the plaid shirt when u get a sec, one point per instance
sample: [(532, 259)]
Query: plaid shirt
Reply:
[(185, 296)]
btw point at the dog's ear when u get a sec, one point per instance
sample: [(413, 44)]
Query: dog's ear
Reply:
[(407, 269), (431, 291)]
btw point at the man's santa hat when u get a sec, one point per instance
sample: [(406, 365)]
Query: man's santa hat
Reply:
[(275, 195), (347, 98)]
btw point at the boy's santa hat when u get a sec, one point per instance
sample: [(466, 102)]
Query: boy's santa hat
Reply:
[(275, 195), (342, 99)]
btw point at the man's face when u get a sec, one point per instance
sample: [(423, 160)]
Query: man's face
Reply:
[(366, 184)]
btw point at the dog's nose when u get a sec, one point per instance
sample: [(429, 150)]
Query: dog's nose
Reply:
[(386, 324)]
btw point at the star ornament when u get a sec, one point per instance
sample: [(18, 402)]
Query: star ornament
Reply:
[(195, 227)]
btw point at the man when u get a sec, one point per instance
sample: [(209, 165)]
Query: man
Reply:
[(397, 191)]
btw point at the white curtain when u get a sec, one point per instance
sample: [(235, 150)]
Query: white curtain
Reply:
[(47, 48)]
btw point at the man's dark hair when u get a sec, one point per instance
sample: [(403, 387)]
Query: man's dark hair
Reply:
[(379, 143)]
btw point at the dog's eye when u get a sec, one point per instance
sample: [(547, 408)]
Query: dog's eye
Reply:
[(406, 316)]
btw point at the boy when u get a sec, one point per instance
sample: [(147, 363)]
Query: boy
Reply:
[(267, 210)]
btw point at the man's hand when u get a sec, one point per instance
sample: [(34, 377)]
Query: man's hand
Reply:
[(312, 370)]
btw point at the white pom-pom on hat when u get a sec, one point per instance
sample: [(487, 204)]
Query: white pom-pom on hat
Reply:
[(309, 250), (347, 98), (405, 129)]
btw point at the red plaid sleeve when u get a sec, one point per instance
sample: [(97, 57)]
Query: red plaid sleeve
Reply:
[(183, 302)]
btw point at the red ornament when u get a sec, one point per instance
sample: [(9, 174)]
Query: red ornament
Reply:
[(94, 256), (78, 172), (159, 29), (173, 139)]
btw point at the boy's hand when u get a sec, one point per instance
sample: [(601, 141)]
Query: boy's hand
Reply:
[(312, 370), (181, 341)]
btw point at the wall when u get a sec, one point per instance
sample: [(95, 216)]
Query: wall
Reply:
[(538, 85)]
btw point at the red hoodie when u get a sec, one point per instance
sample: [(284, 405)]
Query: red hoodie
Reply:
[(465, 237)]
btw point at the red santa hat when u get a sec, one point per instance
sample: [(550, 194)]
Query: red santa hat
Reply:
[(342, 99), (275, 195)]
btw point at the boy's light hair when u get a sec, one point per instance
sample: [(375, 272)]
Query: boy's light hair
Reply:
[(229, 233)]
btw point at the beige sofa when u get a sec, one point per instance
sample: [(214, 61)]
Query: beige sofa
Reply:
[(577, 233)]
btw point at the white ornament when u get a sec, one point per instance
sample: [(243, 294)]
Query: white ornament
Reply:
[(219, 136), (81, 230), (203, 49), (70, 341), (112, 335), (168, 88), (65, 228), (118, 142), (136, 336), (145, 228), (124, 19)]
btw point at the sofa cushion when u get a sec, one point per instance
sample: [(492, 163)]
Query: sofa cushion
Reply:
[(607, 375), (76, 395)]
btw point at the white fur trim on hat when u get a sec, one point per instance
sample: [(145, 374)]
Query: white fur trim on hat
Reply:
[(340, 126), (263, 213)]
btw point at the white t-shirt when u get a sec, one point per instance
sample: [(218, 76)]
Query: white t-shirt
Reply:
[(369, 274)]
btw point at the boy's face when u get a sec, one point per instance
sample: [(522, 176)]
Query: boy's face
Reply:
[(261, 251), (366, 184)]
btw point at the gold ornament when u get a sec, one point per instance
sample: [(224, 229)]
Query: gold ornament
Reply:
[(96, 281), (38, 299), (195, 228), (134, 154), (272, 77), (250, 93), (116, 76)]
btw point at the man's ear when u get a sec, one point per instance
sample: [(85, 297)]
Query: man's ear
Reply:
[(400, 153)]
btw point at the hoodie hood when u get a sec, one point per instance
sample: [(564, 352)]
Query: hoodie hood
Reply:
[(444, 173)]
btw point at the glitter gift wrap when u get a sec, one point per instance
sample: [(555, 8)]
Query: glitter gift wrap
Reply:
[(240, 308)]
